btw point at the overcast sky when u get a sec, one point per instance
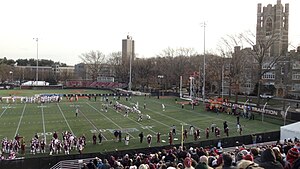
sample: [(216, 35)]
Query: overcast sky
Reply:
[(67, 28)]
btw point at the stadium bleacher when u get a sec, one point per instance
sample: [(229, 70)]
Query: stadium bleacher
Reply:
[(264, 155)]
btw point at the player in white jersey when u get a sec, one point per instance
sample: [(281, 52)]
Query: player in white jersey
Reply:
[(76, 111), (163, 107)]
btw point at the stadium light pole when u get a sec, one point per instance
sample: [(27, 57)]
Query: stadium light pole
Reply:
[(204, 64), (130, 73), (160, 77), (37, 59)]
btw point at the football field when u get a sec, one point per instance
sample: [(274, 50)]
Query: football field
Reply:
[(27, 119)]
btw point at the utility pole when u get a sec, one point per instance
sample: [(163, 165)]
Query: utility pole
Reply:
[(204, 64), (37, 60)]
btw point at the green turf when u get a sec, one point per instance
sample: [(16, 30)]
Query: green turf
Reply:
[(27, 119)]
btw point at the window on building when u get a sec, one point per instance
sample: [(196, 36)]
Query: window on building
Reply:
[(296, 65), (269, 26), (296, 76), (296, 86), (282, 70), (269, 75), (247, 85), (266, 66)]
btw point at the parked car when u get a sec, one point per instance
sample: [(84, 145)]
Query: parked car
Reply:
[(266, 96)]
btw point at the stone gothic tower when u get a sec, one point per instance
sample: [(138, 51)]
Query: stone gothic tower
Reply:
[(127, 49), (273, 22)]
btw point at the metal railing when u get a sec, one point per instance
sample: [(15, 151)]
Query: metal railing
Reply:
[(71, 164)]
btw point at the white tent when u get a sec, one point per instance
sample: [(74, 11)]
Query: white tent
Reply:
[(35, 83), (290, 131)]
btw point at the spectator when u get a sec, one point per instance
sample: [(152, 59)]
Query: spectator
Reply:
[(248, 157), (227, 161), (256, 156), (84, 166), (278, 155), (248, 164), (91, 165), (144, 166), (105, 165), (188, 163), (292, 156), (203, 163), (239, 156), (99, 163), (268, 160)]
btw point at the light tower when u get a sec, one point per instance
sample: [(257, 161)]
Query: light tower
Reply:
[(37, 60), (204, 64)]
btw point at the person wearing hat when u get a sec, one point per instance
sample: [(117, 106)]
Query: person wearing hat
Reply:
[(239, 156), (248, 157), (291, 157)]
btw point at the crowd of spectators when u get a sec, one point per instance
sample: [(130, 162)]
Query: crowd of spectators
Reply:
[(282, 155)]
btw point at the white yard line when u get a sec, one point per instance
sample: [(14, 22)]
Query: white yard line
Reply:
[(180, 121), (20, 120), (189, 111), (4, 111), (156, 112), (135, 121), (108, 118), (202, 115), (92, 124), (44, 128), (65, 118)]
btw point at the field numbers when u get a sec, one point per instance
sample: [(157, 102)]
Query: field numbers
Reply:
[(47, 134), (95, 131), (147, 127)]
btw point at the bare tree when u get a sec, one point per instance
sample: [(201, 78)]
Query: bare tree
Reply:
[(263, 56), (230, 47), (121, 70), (64, 76), (185, 52), (167, 52), (5, 72), (93, 61), (143, 72), (173, 63)]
